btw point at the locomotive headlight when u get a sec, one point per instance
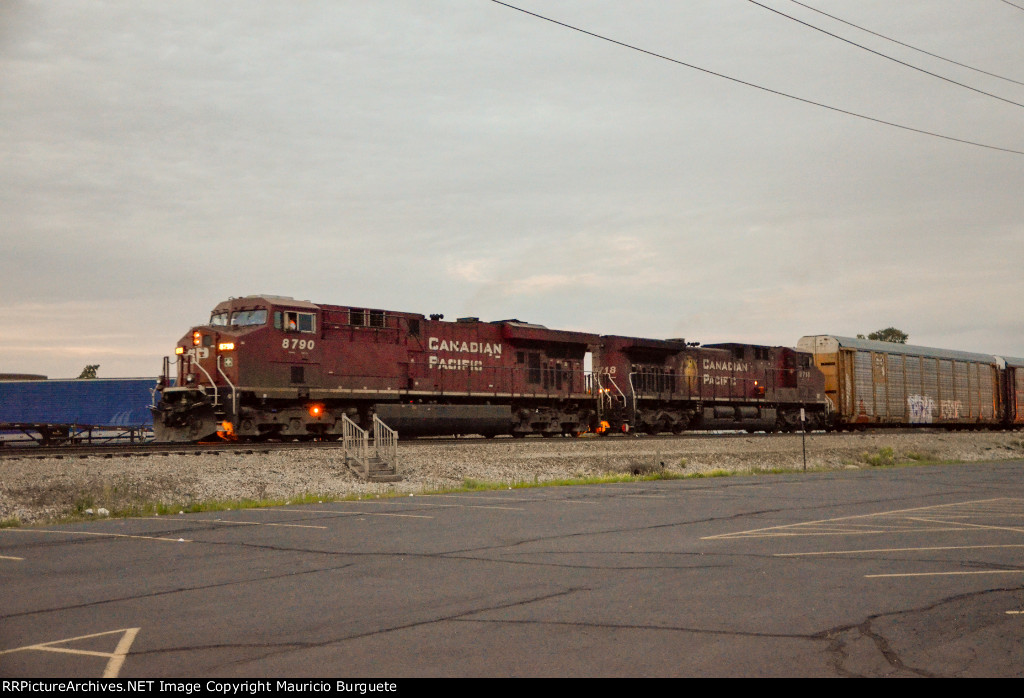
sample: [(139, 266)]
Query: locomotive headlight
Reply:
[(179, 350), (196, 338), (226, 346)]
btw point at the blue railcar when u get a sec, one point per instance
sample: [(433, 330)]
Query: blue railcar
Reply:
[(95, 402)]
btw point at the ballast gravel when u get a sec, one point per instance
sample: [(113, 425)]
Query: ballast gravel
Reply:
[(35, 490)]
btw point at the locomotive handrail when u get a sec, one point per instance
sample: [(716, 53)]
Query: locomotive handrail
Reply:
[(216, 398), (234, 391), (617, 388)]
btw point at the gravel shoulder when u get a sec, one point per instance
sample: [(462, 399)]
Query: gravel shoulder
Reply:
[(34, 490)]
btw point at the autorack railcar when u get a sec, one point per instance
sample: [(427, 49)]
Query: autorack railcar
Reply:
[(872, 383)]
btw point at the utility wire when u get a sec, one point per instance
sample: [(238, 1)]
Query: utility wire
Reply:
[(914, 48), (1013, 5), (878, 53), (756, 86)]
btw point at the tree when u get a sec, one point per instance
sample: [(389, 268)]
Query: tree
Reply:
[(90, 371), (889, 334)]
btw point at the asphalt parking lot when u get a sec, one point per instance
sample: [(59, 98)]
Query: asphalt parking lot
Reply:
[(900, 572)]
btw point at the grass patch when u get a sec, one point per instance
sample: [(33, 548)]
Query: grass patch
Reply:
[(13, 522), (884, 457), (146, 509), (717, 473)]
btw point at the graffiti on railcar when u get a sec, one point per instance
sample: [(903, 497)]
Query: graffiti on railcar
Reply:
[(950, 409), (920, 408)]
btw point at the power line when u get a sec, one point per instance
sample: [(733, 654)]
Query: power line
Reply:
[(913, 48), (756, 86), (882, 55), (1013, 5)]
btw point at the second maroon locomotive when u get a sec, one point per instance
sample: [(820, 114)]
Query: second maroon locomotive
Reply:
[(271, 367)]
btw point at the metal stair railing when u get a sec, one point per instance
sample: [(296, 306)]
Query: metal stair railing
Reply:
[(355, 442), (385, 443)]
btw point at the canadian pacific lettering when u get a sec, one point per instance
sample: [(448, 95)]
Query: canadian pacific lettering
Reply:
[(737, 366), (443, 363), (455, 364), (455, 346), (731, 367)]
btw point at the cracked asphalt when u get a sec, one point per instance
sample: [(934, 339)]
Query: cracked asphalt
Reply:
[(902, 572)]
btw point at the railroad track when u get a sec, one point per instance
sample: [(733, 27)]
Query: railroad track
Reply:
[(158, 449), (125, 450), (145, 449)]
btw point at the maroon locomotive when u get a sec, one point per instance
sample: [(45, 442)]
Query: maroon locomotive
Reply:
[(670, 385), (271, 367)]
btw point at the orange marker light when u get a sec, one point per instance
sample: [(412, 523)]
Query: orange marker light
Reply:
[(179, 350), (316, 411)]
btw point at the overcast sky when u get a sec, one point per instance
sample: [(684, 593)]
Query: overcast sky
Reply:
[(460, 157)]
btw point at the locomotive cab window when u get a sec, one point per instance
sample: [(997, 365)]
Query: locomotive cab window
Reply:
[(246, 318), (218, 319), (295, 321)]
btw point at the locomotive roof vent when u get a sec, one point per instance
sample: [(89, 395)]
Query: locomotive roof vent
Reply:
[(677, 340), (468, 319), (519, 323)]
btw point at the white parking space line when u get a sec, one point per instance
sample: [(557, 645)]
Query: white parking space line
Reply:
[(942, 574), (95, 533), (253, 523), (970, 525), (421, 503), (115, 659), (895, 550), (475, 496), (531, 500), (343, 513), (840, 532), (467, 506), (879, 525)]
